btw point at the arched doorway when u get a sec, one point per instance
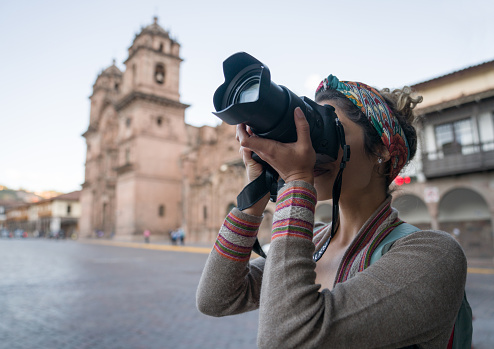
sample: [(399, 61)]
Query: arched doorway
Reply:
[(413, 210), (465, 214)]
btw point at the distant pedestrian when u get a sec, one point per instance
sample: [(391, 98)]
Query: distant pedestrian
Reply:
[(172, 237), (175, 236), (147, 234), (181, 235)]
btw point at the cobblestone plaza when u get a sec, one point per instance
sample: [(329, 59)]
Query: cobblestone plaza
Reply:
[(64, 294)]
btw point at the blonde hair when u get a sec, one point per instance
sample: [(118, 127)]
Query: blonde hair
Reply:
[(402, 102)]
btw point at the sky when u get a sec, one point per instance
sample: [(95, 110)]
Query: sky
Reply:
[(53, 51)]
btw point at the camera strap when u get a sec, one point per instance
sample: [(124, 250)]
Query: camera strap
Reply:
[(258, 188), (267, 182), (336, 191)]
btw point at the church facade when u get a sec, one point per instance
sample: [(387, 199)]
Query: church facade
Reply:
[(135, 139), (145, 167)]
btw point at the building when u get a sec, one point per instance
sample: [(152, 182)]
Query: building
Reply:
[(135, 138), (60, 213), (454, 187), (10, 199)]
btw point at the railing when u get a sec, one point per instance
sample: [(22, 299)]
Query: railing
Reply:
[(454, 159)]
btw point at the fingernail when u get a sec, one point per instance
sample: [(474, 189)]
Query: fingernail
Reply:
[(298, 113)]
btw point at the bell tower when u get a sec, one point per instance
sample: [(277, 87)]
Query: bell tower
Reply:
[(153, 64), (152, 136)]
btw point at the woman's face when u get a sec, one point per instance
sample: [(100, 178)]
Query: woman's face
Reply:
[(359, 174)]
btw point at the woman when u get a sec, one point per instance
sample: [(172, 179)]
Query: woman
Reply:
[(410, 296)]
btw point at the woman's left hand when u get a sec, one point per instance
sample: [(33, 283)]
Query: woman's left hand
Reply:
[(292, 161)]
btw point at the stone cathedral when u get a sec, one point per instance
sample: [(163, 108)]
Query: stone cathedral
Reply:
[(145, 167)]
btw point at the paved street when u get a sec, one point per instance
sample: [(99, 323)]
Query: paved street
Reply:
[(64, 294)]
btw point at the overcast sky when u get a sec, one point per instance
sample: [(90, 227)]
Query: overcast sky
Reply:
[(52, 52)]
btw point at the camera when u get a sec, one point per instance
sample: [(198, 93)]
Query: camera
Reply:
[(249, 96)]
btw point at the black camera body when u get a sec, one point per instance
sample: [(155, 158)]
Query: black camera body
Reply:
[(249, 96)]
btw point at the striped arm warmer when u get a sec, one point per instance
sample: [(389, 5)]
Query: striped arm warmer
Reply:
[(295, 208), (237, 236)]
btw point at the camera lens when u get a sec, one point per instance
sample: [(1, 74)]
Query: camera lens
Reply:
[(249, 91), (245, 87)]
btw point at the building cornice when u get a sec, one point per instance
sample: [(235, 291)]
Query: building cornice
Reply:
[(142, 47), (136, 95), (124, 168), (90, 129), (479, 67), (102, 88), (476, 97)]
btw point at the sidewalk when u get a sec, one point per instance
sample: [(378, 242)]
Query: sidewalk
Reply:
[(481, 263), (475, 266), (163, 246)]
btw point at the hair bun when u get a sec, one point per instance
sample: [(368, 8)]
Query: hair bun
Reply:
[(402, 101)]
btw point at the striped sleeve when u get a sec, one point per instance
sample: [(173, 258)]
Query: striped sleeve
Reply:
[(295, 208), (237, 236)]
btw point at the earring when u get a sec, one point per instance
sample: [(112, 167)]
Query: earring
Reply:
[(380, 160)]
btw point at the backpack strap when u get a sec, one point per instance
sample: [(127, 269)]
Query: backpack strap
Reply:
[(397, 233), (463, 329), (461, 336)]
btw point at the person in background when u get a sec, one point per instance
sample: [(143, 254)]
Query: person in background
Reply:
[(147, 235)]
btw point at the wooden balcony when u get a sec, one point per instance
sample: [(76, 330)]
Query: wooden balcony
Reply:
[(44, 213), (459, 159)]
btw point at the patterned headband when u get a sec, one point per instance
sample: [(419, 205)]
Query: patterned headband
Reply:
[(372, 104)]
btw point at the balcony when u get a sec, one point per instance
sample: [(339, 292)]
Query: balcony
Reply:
[(456, 159), (127, 167), (44, 213)]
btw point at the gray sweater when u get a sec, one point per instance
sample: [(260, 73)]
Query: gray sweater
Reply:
[(409, 296)]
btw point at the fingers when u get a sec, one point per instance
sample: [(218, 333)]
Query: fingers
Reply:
[(246, 153), (249, 140), (303, 128)]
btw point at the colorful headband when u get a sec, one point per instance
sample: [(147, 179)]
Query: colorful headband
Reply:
[(380, 116)]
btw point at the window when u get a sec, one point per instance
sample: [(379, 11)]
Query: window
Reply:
[(161, 210), (486, 131), (159, 120), (456, 137), (128, 121), (159, 73), (69, 208), (161, 47), (205, 212), (127, 156), (116, 87)]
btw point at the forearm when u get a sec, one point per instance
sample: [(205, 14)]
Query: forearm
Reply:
[(229, 283), (289, 278)]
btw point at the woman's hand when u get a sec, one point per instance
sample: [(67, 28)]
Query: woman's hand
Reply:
[(254, 169), (292, 161)]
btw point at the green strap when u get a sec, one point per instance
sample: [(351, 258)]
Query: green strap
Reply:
[(463, 329), (397, 233)]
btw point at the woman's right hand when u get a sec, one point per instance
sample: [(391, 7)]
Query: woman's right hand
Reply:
[(253, 168)]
